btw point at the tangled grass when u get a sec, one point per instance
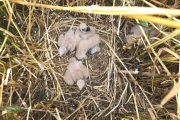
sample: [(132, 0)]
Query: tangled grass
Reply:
[(32, 85)]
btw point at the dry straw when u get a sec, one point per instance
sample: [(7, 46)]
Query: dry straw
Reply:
[(122, 83), (141, 13)]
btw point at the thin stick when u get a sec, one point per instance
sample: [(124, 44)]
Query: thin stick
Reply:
[(178, 97)]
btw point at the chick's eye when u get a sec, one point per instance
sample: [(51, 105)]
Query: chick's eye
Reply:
[(83, 29)]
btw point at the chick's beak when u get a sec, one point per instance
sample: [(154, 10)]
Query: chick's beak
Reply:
[(80, 83), (88, 29)]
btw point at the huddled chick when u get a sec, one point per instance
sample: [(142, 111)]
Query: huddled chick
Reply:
[(136, 34), (88, 41), (151, 32), (67, 42), (85, 41), (76, 73)]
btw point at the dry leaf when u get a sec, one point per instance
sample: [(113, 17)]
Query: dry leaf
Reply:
[(171, 94)]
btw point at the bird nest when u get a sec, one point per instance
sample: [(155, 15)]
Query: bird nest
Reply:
[(36, 89)]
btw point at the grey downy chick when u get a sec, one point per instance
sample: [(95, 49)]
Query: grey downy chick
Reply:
[(136, 34), (67, 42), (136, 31), (84, 32), (76, 71), (88, 41)]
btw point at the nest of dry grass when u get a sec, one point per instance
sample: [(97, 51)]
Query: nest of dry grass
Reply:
[(35, 88)]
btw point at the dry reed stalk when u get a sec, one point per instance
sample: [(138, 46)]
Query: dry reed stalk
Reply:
[(140, 13), (35, 82)]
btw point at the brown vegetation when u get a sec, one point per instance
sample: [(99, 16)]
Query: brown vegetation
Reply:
[(123, 83)]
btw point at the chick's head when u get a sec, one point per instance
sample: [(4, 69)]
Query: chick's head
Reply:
[(84, 28), (62, 51), (81, 83)]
